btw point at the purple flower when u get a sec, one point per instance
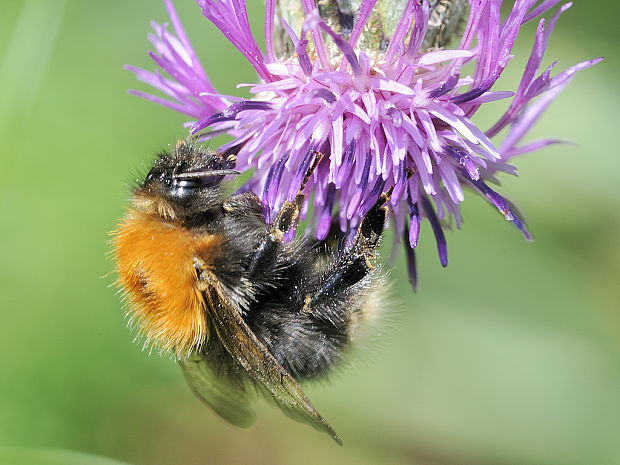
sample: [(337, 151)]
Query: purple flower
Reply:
[(398, 118)]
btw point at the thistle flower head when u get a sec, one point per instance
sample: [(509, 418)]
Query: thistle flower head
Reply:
[(395, 116)]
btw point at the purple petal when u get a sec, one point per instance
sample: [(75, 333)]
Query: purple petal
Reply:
[(475, 93), (344, 47), (396, 44), (325, 219), (231, 18), (504, 207), (299, 175), (399, 186), (463, 159), (528, 118), (421, 14), (325, 94), (361, 20), (412, 270), (439, 56), (445, 87), (414, 222), (302, 56), (442, 246), (272, 183), (270, 7), (312, 22), (377, 189), (532, 147), (230, 113), (540, 9)]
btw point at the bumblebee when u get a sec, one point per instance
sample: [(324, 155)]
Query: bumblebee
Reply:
[(244, 311)]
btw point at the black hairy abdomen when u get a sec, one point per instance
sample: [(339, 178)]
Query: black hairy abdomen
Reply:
[(302, 298), (305, 345)]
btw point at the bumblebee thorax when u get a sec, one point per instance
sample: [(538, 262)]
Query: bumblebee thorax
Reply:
[(154, 260)]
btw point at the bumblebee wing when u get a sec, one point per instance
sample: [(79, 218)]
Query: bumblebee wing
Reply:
[(220, 384), (240, 342)]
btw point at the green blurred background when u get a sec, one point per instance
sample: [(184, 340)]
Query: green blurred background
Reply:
[(509, 356)]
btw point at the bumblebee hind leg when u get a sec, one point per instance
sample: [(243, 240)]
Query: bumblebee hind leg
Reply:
[(312, 322), (352, 271)]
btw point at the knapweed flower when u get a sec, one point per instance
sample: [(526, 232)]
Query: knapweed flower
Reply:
[(395, 116)]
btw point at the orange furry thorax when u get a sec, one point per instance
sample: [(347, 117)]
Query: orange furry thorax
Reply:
[(154, 260)]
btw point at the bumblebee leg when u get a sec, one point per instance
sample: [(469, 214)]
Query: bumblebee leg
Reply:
[(352, 266), (204, 277), (289, 213), (317, 312), (285, 222), (371, 228)]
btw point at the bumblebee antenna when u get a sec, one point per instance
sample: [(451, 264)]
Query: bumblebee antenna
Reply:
[(204, 174)]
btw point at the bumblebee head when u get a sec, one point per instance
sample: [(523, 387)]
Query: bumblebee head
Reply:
[(185, 183)]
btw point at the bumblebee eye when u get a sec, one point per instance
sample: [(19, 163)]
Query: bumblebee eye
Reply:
[(157, 174)]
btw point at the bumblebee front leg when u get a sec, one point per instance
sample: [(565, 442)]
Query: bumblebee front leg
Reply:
[(289, 213), (286, 222)]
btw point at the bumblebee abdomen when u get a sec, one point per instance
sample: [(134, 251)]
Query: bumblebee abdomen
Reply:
[(155, 264)]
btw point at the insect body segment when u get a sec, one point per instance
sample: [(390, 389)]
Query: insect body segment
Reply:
[(154, 261), (244, 310)]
